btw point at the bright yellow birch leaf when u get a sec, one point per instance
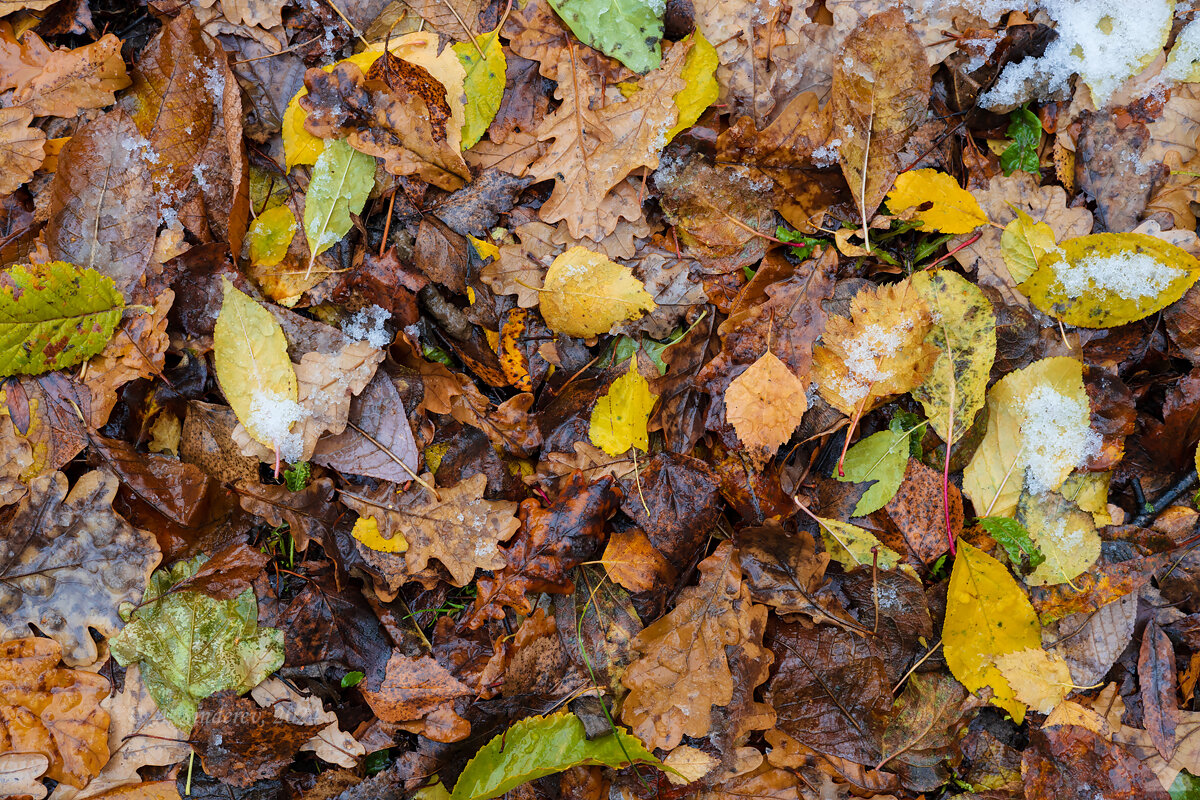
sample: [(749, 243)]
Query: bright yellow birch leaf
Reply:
[(366, 530), (485, 249), (987, 616), (764, 405), (584, 294), (1038, 431), (1025, 244), (699, 70), (619, 418), (270, 236), (484, 84), (1039, 679), (1109, 279), (952, 209), (253, 368), (964, 333)]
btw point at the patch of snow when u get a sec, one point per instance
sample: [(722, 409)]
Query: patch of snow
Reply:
[(1057, 436), (1130, 276), (272, 415), (367, 325), (827, 154)]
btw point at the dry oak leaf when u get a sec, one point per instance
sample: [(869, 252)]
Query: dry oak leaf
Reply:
[(881, 351), (536, 32), (103, 209), (1001, 200), (551, 543), (521, 264), (585, 294), (594, 149), (765, 405), (397, 111), (68, 560), (64, 81), (683, 670), (455, 525), (880, 92), (241, 743), (330, 743), (52, 711), (22, 148), (137, 350), (138, 736)]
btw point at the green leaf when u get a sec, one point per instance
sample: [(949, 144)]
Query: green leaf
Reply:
[(852, 546), (353, 678), (540, 746), (627, 30), (1025, 130), (964, 332), (341, 180), (296, 477), (881, 457), (1185, 787), (190, 645), (484, 84), (1110, 279), (54, 316), (802, 246), (1012, 536)]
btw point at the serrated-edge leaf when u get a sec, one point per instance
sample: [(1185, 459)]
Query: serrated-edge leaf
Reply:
[(618, 420), (54, 316), (1012, 536), (627, 30), (540, 746), (852, 546), (341, 180), (484, 84), (1103, 308), (881, 457)]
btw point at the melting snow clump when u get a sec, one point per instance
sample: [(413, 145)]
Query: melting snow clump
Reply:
[(863, 356), (273, 415), (1130, 276), (1057, 435), (367, 325)]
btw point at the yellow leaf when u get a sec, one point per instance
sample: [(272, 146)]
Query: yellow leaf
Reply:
[(1038, 431), (366, 530), (1109, 279), (584, 294), (852, 546), (699, 70), (764, 405), (1038, 679), (1064, 532), (952, 209), (271, 235), (485, 249), (253, 368), (619, 417), (987, 616), (1025, 244), (484, 84)]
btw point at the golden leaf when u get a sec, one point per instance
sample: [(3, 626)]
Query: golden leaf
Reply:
[(585, 294), (952, 209), (764, 405)]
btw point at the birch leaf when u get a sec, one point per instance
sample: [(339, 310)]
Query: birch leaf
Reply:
[(1025, 244), (880, 459), (619, 418), (341, 180), (852, 546), (1063, 532), (585, 294), (942, 205), (764, 405), (485, 65)]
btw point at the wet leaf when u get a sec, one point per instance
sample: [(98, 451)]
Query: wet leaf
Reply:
[(485, 65), (951, 209), (878, 460), (341, 179), (585, 294), (1156, 674), (764, 405)]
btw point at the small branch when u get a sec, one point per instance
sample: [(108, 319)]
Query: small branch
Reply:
[(1147, 516)]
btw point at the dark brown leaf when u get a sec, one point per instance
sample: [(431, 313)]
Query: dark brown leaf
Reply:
[(1156, 675), (241, 743), (1073, 763)]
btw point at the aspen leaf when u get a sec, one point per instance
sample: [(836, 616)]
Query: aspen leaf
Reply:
[(619, 418), (485, 65), (952, 209), (881, 351), (584, 294), (765, 405), (270, 236), (1039, 679), (1065, 534), (54, 316), (699, 70), (1109, 279), (253, 368), (852, 546), (987, 615), (964, 333), (881, 459), (341, 180), (366, 530), (1038, 431), (1025, 244)]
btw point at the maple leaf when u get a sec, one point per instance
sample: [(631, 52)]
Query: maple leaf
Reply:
[(881, 351), (52, 711), (682, 671), (551, 542)]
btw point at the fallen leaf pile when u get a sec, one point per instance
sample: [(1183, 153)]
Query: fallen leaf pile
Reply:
[(581, 400)]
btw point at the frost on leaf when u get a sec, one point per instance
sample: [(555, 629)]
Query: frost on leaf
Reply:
[(67, 561)]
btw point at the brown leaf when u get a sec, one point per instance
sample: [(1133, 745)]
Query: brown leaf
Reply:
[(136, 350), (378, 440), (522, 265), (683, 670), (397, 112), (919, 513), (1156, 676), (535, 32), (241, 743), (633, 562), (1109, 166), (764, 405), (309, 513), (551, 542), (43, 413), (22, 148), (103, 210), (229, 572), (509, 425), (456, 526), (1138, 742), (410, 688), (764, 783), (697, 196), (207, 442), (880, 92), (330, 743), (1073, 763), (174, 489), (678, 503), (69, 561), (52, 711), (928, 718), (19, 773), (63, 81), (1100, 585), (784, 571), (1090, 642), (477, 208)]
